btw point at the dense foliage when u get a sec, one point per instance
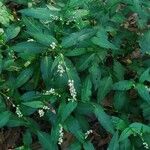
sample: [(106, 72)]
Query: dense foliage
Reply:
[(67, 64)]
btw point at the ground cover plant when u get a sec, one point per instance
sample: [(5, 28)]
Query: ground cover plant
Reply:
[(75, 74)]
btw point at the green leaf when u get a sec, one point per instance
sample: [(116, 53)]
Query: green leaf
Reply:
[(74, 127), (4, 118), (143, 92), (76, 52), (45, 140), (125, 134), (119, 70), (11, 32), (120, 99), (85, 62), (43, 38), (145, 76), (104, 88), (102, 40), (144, 42), (88, 146), (86, 90), (123, 85), (134, 128), (46, 64), (114, 144), (34, 104), (28, 47), (95, 74), (73, 74), (5, 17), (104, 119), (125, 144), (67, 110), (39, 13), (27, 138), (119, 124), (23, 77), (75, 146), (77, 37)]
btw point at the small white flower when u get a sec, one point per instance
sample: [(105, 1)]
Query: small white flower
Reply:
[(72, 90), (46, 108), (41, 112), (88, 133), (51, 91), (61, 134), (60, 69), (53, 45), (1, 31), (146, 146), (18, 112)]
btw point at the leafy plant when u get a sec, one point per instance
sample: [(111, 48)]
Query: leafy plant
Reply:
[(65, 63)]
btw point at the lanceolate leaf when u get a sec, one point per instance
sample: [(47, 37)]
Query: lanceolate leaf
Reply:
[(39, 13), (144, 42), (24, 76), (4, 118), (67, 110), (123, 85), (34, 104), (86, 90), (143, 92), (102, 40), (114, 144), (119, 71), (45, 140), (46, 64), (145, 76), (104, 88), (88, 146), (104, 119)]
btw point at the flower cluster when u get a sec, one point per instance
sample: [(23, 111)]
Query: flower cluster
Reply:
[(60, 69), (18, 112), (88, 133), (72, 90), (53, 45), (41, 111), (61, 134), (52, 91)]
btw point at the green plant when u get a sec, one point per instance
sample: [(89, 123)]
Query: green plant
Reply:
[(64, 62)]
